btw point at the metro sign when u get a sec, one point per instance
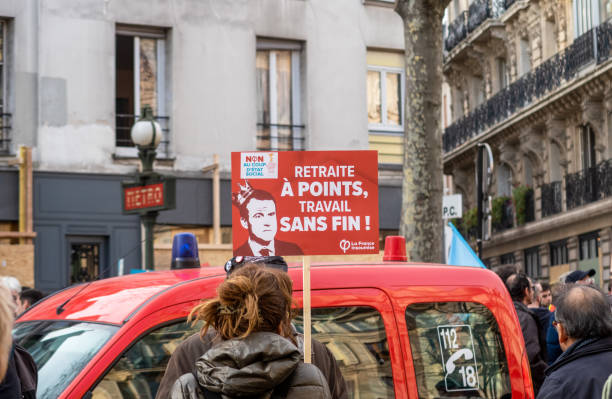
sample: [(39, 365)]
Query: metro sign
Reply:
[(153, 196)]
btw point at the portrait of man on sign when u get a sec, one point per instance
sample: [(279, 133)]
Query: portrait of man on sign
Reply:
[(258, 216)]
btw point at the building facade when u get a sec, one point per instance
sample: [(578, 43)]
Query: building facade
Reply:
[(532, 78), (221, 76)]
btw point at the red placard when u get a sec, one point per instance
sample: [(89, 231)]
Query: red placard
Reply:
[(305, 202), (143, 197)]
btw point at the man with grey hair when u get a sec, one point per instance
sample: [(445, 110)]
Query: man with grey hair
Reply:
[(583, 320)]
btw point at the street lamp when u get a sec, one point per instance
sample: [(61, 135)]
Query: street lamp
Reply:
[(146, 134)]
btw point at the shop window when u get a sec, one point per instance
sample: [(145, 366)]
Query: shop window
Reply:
[(457, 351)]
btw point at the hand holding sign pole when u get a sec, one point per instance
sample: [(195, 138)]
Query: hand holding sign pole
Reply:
[(305, 203)]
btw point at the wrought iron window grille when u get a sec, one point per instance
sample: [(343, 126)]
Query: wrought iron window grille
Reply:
[(288, 137), (5, 133)]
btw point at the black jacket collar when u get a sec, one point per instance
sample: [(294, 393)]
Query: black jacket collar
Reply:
[(582, 348)]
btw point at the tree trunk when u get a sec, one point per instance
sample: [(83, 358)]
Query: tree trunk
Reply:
[(421, 219)]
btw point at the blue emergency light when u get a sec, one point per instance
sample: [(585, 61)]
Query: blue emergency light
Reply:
[(185, 251)]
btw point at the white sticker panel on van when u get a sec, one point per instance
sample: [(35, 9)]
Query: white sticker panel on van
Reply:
[(458, 357)]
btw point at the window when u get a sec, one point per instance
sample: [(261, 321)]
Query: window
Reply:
[(385, 100), (60, 350), (524, 57), (140, 63), (279, 118), (5, 138), (549, 40), (584, 16), (502, 73), (605, 10), (457, 351), (356, 337), (139, 371), (507, 259), (587, 141), (558, 253), (589, 246), (532, 262), (504, 181)]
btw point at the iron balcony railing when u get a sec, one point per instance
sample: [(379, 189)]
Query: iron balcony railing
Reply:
[(551, 198), (5, 133), (467, 22), (123, 128), (457, 31), (280, 137), (589, 185), (548, 76)]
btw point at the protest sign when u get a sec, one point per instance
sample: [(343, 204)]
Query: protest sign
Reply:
[(305, 202)]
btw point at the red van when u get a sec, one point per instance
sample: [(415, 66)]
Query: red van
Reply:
[(397, 330)]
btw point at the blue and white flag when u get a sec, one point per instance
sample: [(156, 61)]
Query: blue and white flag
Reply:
[(459, 252)]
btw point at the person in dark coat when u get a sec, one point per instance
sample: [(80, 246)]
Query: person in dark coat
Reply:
[(553, 350), (583, 320), (186, 354), (253, 357), (521, 293)]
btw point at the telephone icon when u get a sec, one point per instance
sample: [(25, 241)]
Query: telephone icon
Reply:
[(450, 363)]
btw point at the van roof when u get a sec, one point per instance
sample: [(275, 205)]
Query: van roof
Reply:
[(115, 300)]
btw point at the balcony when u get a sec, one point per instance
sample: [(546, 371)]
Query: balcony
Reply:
[(457, 31), (551, 199), (589, 185), (546, 78), (5, 134), (468, 21), (123, 127)]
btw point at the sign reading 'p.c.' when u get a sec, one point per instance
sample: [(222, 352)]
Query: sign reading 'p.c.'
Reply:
[(305, 202)]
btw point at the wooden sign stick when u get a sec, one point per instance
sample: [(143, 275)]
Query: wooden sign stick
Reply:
[(306, 308)]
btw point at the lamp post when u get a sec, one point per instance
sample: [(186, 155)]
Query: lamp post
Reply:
[(146, 134)]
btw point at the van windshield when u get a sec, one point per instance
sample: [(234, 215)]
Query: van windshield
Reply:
[(61, 349)]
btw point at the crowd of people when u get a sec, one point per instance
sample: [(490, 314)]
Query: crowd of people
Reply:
[(567, 333)]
